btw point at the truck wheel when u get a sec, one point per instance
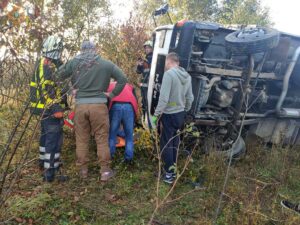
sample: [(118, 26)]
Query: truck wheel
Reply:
[(237, 149), (252, 40)]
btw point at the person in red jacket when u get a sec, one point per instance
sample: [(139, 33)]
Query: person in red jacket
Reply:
[(122, 110)]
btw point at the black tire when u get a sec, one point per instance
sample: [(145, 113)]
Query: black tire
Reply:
[(237, 149), (252, 40)]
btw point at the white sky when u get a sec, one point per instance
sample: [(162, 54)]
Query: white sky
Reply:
[(284, 13), (121, 8)]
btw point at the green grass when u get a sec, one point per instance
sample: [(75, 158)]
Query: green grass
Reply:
[(256, 186)]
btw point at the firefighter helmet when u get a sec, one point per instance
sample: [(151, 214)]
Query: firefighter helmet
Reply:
[(148, 43), (52, 47)]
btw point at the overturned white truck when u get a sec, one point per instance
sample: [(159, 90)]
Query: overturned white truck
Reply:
[(248, 78)]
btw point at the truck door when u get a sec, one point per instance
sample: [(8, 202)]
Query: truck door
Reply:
[(161, 49)]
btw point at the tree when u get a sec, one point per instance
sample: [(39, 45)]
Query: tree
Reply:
[(123, 44), (244, 12), (225, 12), (183, 9), (85, 16), (27, 23), (75, 21)]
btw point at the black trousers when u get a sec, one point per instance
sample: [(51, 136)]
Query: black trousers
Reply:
[(169, 139), (144, 92), (51, 140)]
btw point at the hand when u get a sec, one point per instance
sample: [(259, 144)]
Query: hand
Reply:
[(74, 92), (140, 62), (154, 120), (58, 115), (106, 94)]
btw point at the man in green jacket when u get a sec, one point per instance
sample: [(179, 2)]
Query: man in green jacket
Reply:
[(90, 76)]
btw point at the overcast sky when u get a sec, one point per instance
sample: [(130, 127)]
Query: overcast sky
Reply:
[(284, 13)]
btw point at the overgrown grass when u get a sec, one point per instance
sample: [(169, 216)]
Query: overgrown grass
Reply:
[(257, 184)]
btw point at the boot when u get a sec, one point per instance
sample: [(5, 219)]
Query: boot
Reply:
[(105, 176), (49, 175), (83, 173), (60, 177)]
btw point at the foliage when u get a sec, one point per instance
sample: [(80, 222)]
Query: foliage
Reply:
[(76, 21), (184, 9), (241, 12), (144, 142), (258, 183), (244, 12), (18, 204), (83, 18), (123, 45)]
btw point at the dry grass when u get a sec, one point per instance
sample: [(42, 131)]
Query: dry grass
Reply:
[(257, 184)]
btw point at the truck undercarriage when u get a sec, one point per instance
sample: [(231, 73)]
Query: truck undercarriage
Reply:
[(247, 78)]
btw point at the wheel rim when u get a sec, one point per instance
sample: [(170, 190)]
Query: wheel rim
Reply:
[(251, 33)]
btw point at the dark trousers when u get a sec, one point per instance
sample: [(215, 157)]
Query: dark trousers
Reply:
[(51, 140), (144, 92), (169, 139)]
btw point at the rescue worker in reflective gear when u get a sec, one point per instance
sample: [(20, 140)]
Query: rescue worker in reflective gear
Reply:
[(143, 68), (46, 101)]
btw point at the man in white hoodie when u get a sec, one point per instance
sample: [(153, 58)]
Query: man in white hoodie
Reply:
[(176, 98)]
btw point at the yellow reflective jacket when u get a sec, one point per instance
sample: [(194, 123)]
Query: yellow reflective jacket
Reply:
[(45, 96)]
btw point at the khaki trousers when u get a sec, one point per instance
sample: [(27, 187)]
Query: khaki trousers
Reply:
[(92, 119)]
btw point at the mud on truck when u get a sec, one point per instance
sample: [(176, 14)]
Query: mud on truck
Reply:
[(247, 78)]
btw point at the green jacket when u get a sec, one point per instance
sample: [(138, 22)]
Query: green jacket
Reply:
[(91, 75)]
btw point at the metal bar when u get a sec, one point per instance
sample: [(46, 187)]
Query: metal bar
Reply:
[(286, 81), (243, 88), (235, 73)]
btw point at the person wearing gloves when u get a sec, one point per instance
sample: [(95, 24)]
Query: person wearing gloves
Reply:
[(46, 101), (176, 98)]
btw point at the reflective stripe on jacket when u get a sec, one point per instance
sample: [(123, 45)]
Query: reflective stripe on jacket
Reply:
[(44, 94)]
